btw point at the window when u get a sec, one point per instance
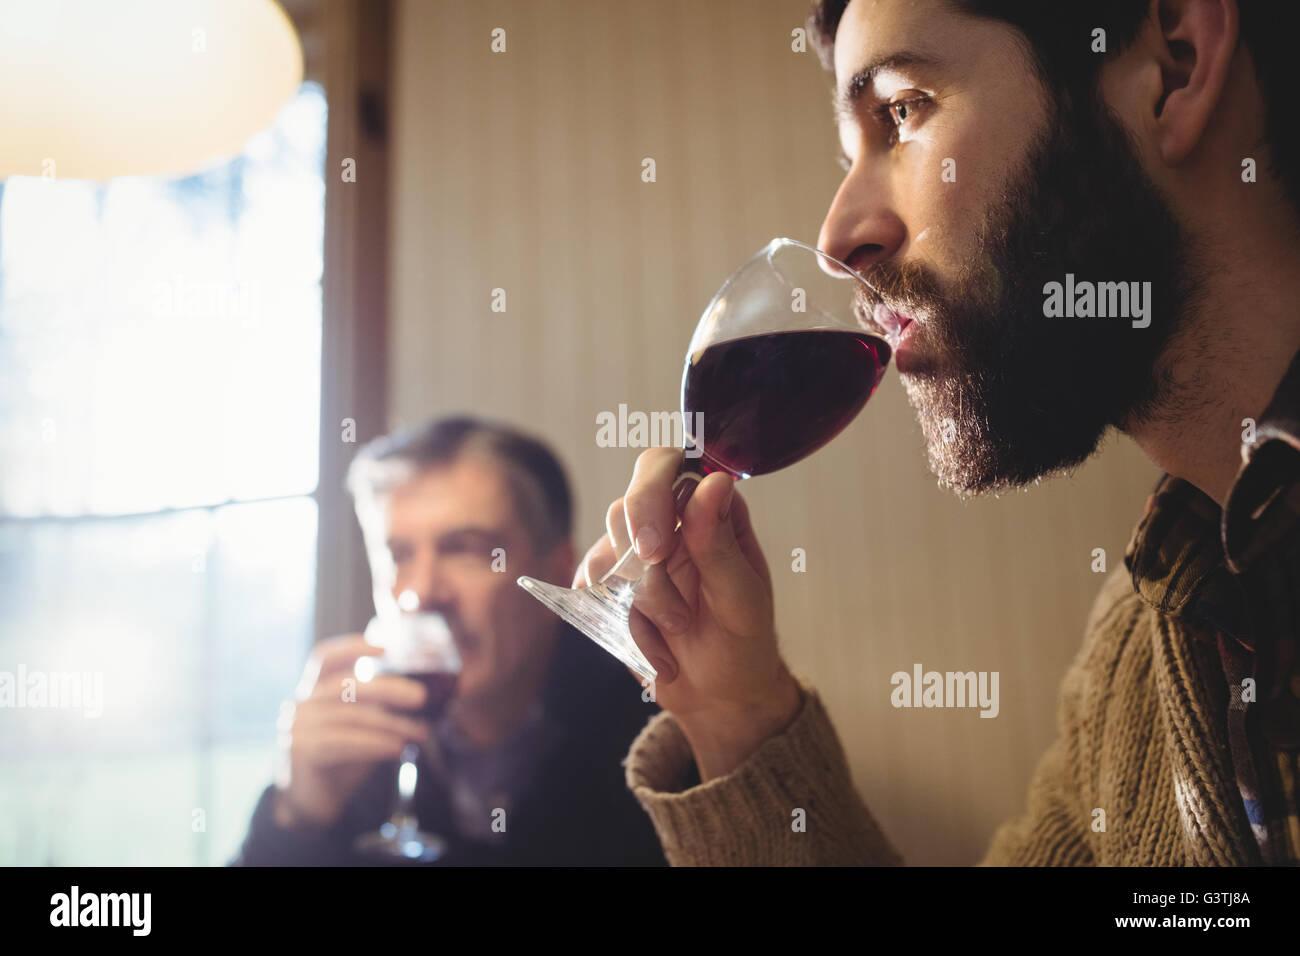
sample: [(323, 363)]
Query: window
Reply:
[(159, 424)]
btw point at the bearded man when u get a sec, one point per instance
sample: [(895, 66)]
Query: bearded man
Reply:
[(1001, 158)]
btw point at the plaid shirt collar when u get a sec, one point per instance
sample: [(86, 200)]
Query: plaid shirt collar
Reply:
[(1188, 557)]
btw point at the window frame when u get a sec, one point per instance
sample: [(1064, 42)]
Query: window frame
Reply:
[(356, 43)]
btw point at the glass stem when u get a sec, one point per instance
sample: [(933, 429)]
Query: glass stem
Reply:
[(404, 815)]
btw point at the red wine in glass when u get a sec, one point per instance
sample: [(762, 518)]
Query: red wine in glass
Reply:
[(782, 359), (439, 688), (766, 401)]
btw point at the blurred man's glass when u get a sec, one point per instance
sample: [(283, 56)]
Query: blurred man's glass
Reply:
[(776, 369), (419, 647)]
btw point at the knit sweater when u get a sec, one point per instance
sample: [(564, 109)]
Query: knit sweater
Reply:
[(1141, 736)]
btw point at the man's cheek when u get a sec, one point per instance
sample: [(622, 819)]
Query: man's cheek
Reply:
[(956, 163), (475, 676)]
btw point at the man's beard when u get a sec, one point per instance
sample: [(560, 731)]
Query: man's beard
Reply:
[(1004, 394)]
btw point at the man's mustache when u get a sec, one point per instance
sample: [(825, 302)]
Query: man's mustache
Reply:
[(905, 289)]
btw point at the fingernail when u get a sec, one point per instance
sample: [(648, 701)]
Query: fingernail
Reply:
[(725, 511), (647, 539)]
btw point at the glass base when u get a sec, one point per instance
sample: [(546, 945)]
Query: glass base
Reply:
[(405, 843), (600, 612)]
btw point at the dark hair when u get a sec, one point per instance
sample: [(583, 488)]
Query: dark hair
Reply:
[(1058, 36), (537, 479)]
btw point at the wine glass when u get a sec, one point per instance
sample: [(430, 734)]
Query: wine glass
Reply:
[(773, 372), (420, 647)]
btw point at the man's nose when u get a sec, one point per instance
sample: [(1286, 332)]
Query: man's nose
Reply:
[(861, 227), (433, 588)]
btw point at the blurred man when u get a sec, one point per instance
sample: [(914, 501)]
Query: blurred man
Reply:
[(530, 747), (1008, 164)]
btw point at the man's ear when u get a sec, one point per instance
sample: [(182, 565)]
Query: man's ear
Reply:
[(1196, 41)]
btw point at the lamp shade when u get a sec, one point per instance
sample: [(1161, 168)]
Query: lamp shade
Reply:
[(94, 90)]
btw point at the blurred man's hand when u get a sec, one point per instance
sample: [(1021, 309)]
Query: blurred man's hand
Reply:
[(329, 744)]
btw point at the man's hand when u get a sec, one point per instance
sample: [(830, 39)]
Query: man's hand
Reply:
[(327, 744), (703, 615)]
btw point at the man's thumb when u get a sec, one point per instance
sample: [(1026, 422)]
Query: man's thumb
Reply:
[(707, 529), (733, 588)]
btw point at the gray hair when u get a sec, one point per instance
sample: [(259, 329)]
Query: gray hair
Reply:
[(536, 478)]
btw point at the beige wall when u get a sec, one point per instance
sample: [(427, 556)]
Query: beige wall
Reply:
[(522, 171)]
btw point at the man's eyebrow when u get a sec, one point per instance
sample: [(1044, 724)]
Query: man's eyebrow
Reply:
[(469, 531), (847, 97), (461, 532)]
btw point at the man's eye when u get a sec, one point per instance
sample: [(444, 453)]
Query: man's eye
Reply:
[(900, 111)]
